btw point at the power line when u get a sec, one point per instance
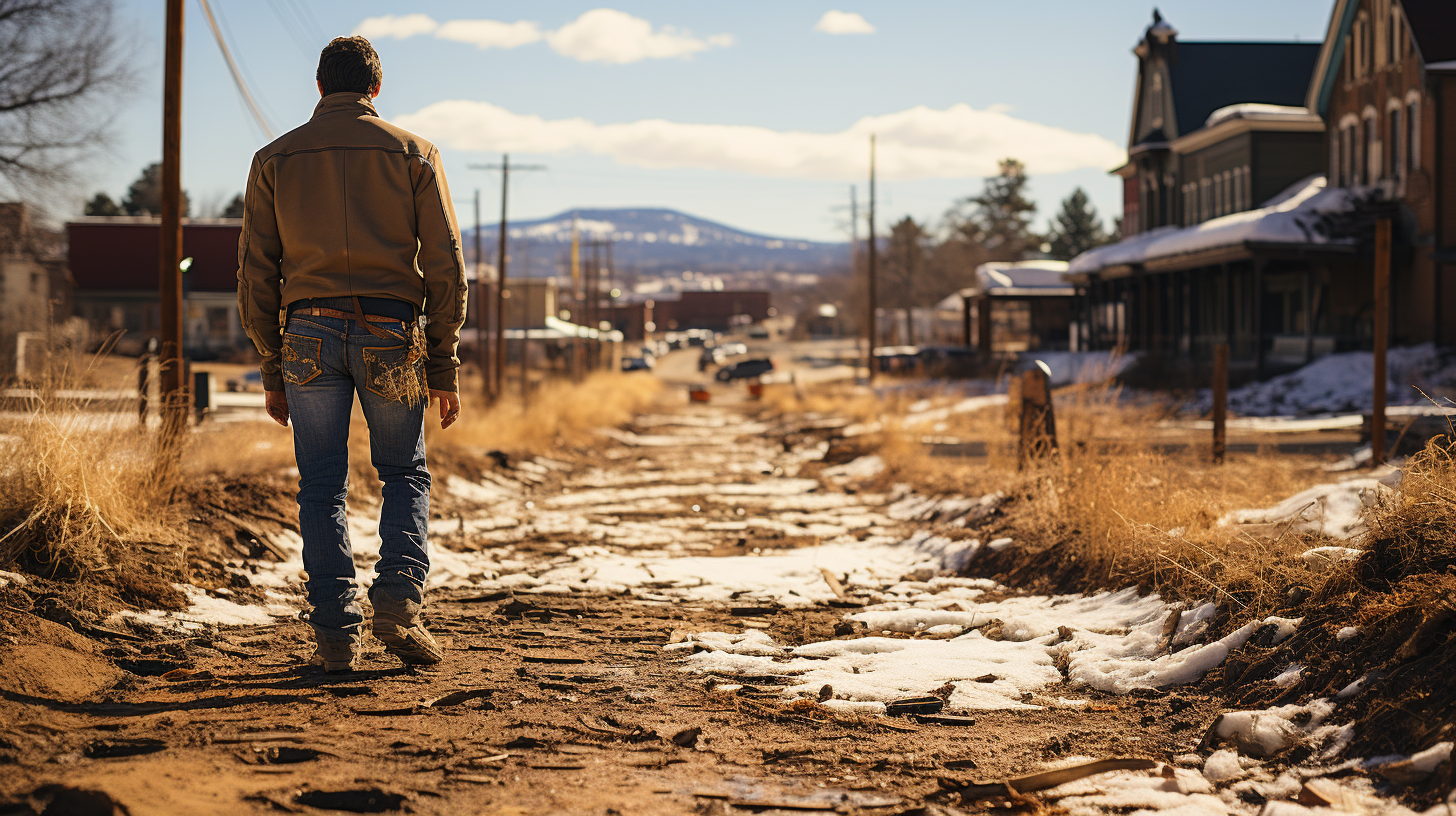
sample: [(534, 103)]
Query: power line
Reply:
[(233, 68)]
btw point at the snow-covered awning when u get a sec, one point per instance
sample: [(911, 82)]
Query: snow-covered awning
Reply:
[(1043, 278), (1287, 220), (553, 329)]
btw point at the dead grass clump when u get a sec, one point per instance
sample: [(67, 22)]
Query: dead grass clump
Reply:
[(78, 495), (559, 413), (1396, 608)]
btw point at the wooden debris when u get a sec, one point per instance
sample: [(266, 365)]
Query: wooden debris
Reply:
[(1051, 779), (914, 705), (834, 585)]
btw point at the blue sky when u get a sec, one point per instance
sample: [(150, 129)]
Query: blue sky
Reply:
[(739, 112)]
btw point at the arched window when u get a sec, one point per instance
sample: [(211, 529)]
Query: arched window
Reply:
[(1395, 139), (1349, 59), (1371, 170), (1413, 130), (1395, 28)]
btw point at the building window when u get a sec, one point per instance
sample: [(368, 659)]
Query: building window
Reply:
[(1347, 156), (1372, 149), (1412, 134), (1394, 28), (1157, 99), (1393, 136)]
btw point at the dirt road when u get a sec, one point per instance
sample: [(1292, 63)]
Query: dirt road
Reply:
[(703, 614)]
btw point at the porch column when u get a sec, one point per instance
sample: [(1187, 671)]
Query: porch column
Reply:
[(983, 327), (965, 321), (1258, 313)]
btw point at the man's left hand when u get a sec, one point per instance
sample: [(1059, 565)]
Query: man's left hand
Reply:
[(449, 406)]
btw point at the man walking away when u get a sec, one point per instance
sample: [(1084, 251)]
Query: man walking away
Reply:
[(351, 281)]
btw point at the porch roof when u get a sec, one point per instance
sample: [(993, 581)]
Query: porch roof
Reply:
[(1018, 279), (1286, 222)]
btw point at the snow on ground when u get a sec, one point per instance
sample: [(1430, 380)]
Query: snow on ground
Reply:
[(1343, 383), (1334, 509)]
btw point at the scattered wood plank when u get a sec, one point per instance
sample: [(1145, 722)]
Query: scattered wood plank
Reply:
[(1051, 779)]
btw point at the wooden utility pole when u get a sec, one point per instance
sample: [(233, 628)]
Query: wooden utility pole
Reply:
[(1382, 331), (1220, 401), (482, 310), (499, 367), (576, 316), (525, 327), (169, 279), (870, 326)]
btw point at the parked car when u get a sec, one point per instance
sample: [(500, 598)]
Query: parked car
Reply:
[(745, 369), (636, 363)]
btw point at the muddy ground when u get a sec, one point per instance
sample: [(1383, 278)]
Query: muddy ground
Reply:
[(548, 701)]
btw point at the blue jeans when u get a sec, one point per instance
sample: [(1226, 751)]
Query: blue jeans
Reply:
[(326, 361)]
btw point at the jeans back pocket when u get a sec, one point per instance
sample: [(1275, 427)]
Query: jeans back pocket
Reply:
[(396, 373), (301, 358)]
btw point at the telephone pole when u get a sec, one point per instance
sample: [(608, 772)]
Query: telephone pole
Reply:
[(482, 311), (500, 288), (169, 280), (870, 328)]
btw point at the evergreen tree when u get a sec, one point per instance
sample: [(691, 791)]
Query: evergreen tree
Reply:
[(234, 209), (144, 196), (1076, 228), (905, 281), (999, 219), (101, 204)]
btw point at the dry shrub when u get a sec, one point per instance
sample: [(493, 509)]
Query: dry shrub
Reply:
[(79, 486), (559, 413)]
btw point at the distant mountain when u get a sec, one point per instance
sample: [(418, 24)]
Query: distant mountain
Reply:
[(660, 241)]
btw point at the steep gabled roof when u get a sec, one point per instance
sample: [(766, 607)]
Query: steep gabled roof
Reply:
[(1433, 28), (1207, 76)]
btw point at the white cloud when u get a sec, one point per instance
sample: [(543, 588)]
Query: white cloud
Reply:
[(491, 33), (600, 35), (918, 143), (843, 22), (616, 37), (399, 26)]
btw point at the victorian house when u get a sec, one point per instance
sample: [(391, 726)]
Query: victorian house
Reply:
[(1385, 84)]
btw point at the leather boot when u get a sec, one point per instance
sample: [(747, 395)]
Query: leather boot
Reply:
[(335, 649), (397, 625)]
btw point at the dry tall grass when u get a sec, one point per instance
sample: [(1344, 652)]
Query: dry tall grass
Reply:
[(1112, 508), (81, 486)]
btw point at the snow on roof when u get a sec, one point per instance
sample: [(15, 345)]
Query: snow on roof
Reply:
[(1019, 278), (1257, 110), (1285, 219)]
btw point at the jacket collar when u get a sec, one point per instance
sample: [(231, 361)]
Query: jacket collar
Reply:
[(350, 101)]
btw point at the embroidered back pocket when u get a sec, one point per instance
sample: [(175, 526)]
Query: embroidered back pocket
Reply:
[(396, 373), (301, 358)]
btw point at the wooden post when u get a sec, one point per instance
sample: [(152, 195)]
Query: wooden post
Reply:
[(144, 384), (1038, 420), (985, 341), (966, 321), (1382, 331), (1220, 401), (174, 388)]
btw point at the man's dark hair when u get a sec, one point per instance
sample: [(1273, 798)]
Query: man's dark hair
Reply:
[(349, 64)]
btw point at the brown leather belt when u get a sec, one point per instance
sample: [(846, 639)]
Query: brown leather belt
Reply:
[(318, 311), (357, 316)]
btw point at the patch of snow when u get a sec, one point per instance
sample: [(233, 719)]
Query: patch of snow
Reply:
[(1223, 766), (1192, 624), (205, 610), (1333, 509), (1347, 633), (1289, 676), (1284, 628), (1270, 731), (1321, 559), (968, 405), (865, 467)]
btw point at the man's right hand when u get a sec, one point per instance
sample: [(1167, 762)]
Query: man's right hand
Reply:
[(276, 403)]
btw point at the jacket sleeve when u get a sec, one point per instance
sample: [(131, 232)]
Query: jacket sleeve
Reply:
[(443, 266), (260, 276)]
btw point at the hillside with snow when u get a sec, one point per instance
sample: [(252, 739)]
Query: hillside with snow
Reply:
[(657, 241)]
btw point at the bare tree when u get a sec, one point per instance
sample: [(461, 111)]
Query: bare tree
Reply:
[(60, 77)]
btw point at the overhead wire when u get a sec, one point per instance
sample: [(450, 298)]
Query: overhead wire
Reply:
[(292, 26), (237, 75)]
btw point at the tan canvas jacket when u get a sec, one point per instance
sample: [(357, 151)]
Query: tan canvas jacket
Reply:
[(350, 205)]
